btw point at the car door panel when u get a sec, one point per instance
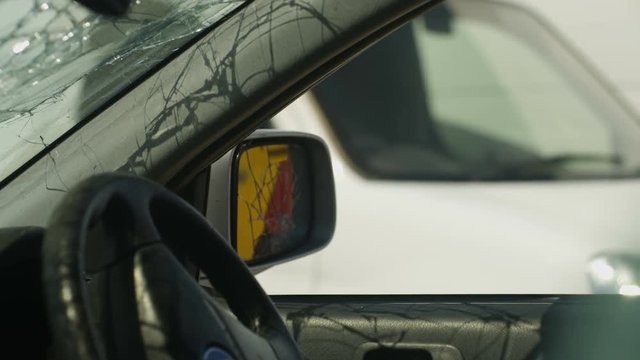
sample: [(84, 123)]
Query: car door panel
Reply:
[(408, 327), (510, 327)]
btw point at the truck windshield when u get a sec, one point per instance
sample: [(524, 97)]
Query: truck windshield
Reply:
[(477, 91)]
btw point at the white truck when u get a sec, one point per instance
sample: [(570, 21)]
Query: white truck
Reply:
[(477, 143)]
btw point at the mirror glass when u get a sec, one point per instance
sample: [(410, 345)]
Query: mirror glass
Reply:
[(273, 203)]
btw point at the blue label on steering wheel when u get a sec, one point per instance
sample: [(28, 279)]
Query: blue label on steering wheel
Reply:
[(215, 353)]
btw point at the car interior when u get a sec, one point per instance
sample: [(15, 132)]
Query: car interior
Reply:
[(73, 281), (158, 266)]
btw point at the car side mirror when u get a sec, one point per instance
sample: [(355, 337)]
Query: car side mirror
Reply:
[(273, 197)]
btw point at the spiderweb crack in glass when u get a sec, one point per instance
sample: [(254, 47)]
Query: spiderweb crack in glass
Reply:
[(65, 61), (222, 84), (267, 194), (180, 108)]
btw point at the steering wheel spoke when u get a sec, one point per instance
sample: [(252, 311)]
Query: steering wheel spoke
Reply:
[(117, 287), (173, 311)]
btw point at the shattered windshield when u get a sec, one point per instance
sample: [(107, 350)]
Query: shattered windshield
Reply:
[(61, 62)]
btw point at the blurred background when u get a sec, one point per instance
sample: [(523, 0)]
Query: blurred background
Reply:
[(486, 147)]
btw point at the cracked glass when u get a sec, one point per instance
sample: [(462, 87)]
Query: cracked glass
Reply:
[(61, 62), (273, 201)]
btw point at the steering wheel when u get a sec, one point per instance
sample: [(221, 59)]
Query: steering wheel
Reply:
[(115, 288)]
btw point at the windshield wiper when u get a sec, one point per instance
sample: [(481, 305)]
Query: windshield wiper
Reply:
[(550, 168)]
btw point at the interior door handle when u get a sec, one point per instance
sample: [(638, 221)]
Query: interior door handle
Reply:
[(404, 351)]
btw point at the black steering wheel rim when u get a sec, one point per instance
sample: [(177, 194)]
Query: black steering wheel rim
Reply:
[(112, 219)]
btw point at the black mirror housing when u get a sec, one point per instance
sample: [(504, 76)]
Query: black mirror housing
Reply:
[(273, 197)]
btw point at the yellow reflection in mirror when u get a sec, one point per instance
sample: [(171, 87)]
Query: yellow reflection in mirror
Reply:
[(265, 197)]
